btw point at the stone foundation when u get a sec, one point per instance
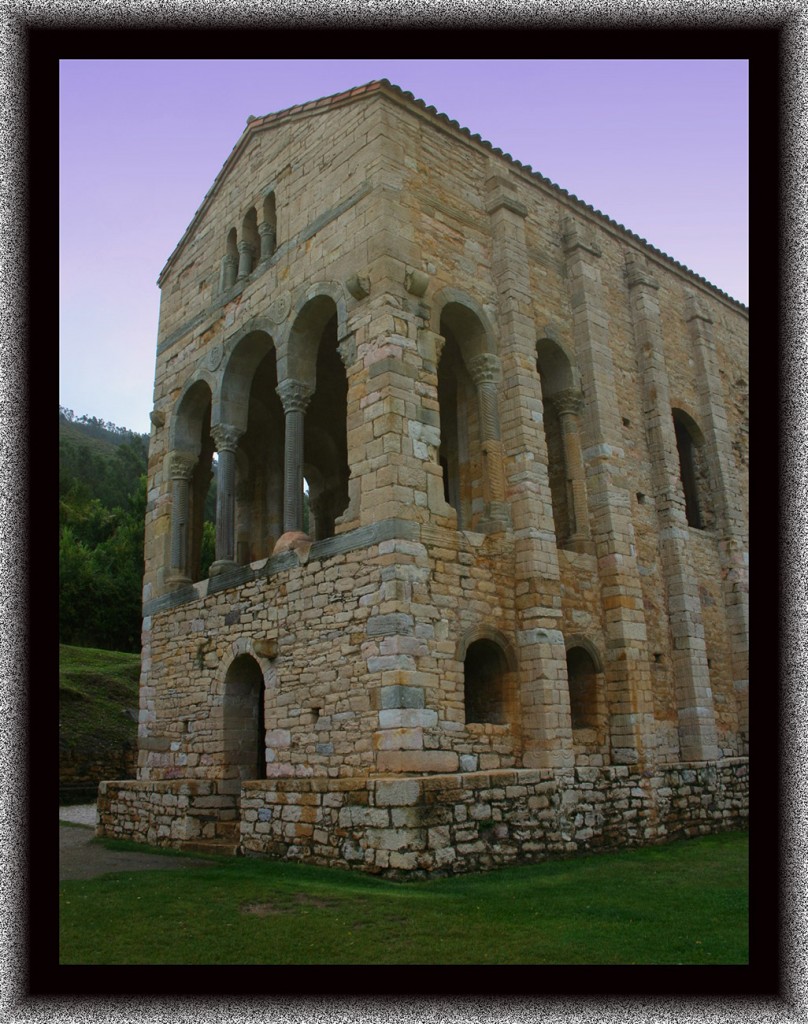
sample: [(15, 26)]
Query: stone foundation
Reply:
[(410, 826)]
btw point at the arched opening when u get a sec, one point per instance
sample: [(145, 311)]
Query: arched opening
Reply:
[(315, 366), (325, 450), (251, 404), (269, 228), (195, 505), (230, 261), (561, 434), (250, 244), (693, 472), (486, 689), (460, 454), (457, 411), (587, 710), (244, 722)]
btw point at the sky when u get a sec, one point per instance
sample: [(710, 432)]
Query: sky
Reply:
[(659, 146)]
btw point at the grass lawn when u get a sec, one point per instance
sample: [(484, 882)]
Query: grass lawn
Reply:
[(685, 903), (95, 689)]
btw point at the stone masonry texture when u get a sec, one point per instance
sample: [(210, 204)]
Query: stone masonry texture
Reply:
[(478, 458)]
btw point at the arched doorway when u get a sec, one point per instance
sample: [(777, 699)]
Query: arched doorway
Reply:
[(244, 722)]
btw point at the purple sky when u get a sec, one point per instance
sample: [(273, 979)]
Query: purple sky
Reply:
[(659, 146)]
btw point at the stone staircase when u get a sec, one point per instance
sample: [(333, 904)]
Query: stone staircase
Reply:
[(226, 842)]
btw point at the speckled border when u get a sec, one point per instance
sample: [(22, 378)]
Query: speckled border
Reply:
[(581, 1003)]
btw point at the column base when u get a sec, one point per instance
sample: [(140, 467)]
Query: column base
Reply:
[(178, 582)]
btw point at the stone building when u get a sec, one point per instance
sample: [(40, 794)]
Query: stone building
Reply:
[(515, 625)]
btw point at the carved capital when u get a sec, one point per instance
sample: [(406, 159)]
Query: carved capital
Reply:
[(485, 369), (294, 395), (225, 436), (244, 246), (568, 401), (181, 465)]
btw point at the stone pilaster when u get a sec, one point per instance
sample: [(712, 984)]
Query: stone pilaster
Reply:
[(226, 438), (295, 397), (546, 729), (626, 663), (180, 470), (697, 732), (733, 546)]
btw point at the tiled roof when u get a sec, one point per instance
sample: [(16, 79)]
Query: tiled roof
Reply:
[(326, 102)]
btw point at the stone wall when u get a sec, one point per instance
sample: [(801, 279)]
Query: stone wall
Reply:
[(410, 826)]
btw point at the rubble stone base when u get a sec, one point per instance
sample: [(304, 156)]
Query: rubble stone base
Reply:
[(438, 824)]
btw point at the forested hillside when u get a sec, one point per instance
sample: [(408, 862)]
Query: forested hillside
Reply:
[(102, 507)]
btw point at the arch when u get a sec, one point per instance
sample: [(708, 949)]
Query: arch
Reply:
[(489, 675), (194, 404), (467, 419), (588, 716), (487, 689), (297, 346), (561, 399), (249, 247), (459, 302), (693, 471), (190, 435), (248, 347), (486, 632), (556, 369), (313, 360), (243, 721)]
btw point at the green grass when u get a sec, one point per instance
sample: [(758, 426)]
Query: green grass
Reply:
[(95, 690), (685, 903)]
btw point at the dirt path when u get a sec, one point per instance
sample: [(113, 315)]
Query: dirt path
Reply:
[(80, 857)]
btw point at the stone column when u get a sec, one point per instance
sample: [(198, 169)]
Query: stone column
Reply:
[(229, 271), (181, 466), (486, 373), (295, 397), (733, 546), (267, 233), (226, 439), (568, 405), (245, 260), (697, 731)]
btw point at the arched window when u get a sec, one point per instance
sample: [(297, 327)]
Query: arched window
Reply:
[(587, 706), (249, 246), (562, 401), (315, 395), (229, 271), (457, 409), (192, 481), (582, 677), (485, 683), (470, 451), (244, 721), (693, 472), (268, 228)]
